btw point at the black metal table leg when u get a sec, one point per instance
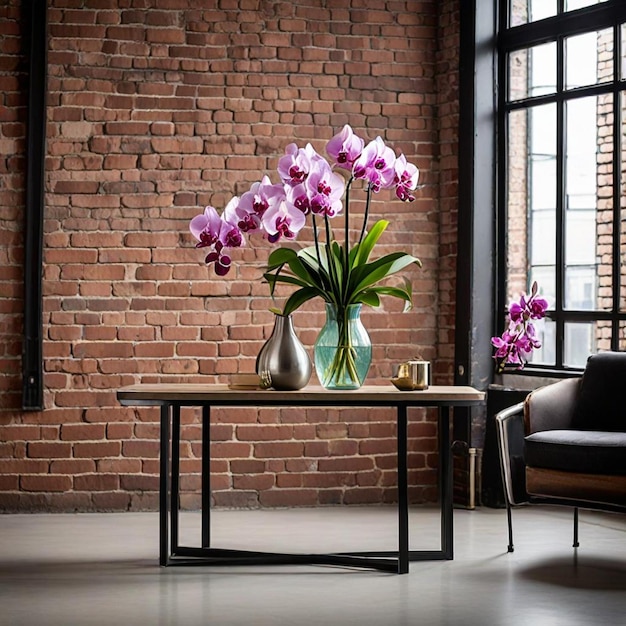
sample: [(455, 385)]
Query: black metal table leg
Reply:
[(206, 476), (403, 496), (446, 484), (164, 485), (175, 496)]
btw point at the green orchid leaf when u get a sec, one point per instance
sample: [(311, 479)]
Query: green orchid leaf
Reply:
[(280, 257), (396, 292), (370, 240), (370, 298), (298, 298), (372, 273), (272, 279), (299, 269)]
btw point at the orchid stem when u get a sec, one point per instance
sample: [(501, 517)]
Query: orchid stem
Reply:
[(367, 211), (316, 240), (346, 272), (332, 274)]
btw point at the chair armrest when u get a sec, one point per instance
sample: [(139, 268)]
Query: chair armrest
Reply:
[(510, 431), (552, 407)]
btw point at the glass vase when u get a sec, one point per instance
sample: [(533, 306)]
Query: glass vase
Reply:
[(283, 359), (343, 350)]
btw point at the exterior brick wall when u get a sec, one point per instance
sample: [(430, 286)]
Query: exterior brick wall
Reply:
[(154, 113)]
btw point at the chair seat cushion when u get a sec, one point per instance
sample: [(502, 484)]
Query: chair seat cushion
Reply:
[(582, 451)]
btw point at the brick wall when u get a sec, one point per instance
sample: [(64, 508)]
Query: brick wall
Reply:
[(154, 113)]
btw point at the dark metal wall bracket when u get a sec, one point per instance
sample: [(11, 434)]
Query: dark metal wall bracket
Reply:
[(36, 47)]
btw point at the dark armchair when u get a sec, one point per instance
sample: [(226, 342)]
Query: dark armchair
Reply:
[(566, 443)]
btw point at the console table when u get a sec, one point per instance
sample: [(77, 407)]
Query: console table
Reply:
[(171, 397)]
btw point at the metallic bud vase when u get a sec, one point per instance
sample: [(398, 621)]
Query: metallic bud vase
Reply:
[(284, 357)]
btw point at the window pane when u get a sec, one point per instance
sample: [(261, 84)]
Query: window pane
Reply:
[(579, 343), (543, 237), (580, 288), (588, 204), (517, 192), (580, 238), (546, 333), (571, 5), (523, 11), (531, 191), (544, 277), (622, 336), (589, 59), (603, 336), (532, 71)]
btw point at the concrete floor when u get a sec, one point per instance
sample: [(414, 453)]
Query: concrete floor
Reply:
[(102, 569)]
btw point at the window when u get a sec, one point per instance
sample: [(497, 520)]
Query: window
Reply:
[(562, 171)]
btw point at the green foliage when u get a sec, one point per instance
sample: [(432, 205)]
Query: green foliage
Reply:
[(328, 272)]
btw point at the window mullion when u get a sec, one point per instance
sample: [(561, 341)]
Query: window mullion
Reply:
[(560, 202)]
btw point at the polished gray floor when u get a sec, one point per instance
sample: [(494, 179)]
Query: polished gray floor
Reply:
[(101, 569)]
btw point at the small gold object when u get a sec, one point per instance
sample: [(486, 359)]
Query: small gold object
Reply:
[(412, 376), (250, 381)]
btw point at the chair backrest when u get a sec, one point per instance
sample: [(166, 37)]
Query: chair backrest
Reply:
[(551, 407), (601, 403)]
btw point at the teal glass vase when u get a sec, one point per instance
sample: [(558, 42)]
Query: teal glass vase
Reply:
[(343, 350)]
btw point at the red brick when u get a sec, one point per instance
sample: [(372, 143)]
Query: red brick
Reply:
[(46, 483), (288, 497), (78, 432), (140, 449), (49, 450), (96, 482), (72, 466), (97, 450), (259, 482), (134, 482)]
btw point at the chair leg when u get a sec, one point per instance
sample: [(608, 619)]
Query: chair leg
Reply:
[(575, 544), (510, 524)]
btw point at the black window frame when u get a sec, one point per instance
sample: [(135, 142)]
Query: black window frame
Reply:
[(510, 39)]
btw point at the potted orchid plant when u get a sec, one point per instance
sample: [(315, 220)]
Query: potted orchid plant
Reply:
[(519, 339), (342, 274)]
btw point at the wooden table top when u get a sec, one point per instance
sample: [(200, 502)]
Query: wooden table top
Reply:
[(379, 395)]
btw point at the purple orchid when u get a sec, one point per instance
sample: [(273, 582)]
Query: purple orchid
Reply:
[(376, 164), (295, 165), (345, 147), (253, 204), (324, 190), (308, 185), (537, 307), (206, 227), (406, 177), (518, 341), (298, 197), (215, 232), (283, 220)]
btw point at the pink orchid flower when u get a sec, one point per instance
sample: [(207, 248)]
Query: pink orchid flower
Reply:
[(295, 165), (282, 219), (253, 205), (376, 164), (324, 190), (519, 340), (215, 232), (345, 147), (206, 227), (406, 177)]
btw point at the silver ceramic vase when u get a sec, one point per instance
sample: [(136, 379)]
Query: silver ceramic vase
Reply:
[(284, 357)]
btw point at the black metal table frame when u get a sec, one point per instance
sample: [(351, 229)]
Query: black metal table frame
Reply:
[(172, 553)]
